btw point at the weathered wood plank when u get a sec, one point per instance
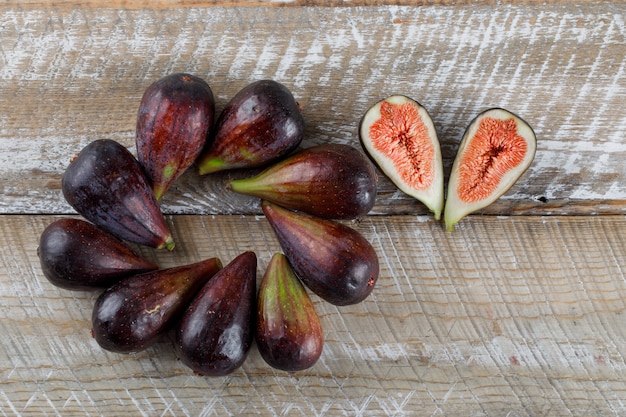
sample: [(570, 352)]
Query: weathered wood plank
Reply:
[(157, 4), (506, 316), (69, 75)]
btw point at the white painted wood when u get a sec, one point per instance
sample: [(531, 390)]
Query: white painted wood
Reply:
[(518, 313), (70, 75), (506, 316)]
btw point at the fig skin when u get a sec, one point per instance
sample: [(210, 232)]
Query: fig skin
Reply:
[(289, 332), (134, 313), (488, 173), (333, 181), (76, 255), (215, 334), (106, 185), (174, 121), (259, 125), (398, 134), (333, 260)]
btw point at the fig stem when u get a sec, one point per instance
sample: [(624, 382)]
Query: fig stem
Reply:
[(170, 244), (211, 165)]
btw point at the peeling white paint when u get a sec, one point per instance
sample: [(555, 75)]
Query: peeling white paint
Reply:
[(357, 55)]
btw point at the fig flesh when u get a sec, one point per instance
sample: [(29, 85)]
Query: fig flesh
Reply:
[(107, 186), (398, 134), (133, 314), (333, 260), (76, 255), (260, 124), (215, 333), (288, 332), (496, 149), (332, 181), (174, 120)]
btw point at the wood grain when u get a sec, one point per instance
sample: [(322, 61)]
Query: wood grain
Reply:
[(69, 75), (158, 4), (514, 316), (518, 312)]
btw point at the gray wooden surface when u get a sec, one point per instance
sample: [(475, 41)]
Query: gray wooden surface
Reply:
[(518, 312)]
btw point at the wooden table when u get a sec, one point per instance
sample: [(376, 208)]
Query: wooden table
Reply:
[(518, 312)]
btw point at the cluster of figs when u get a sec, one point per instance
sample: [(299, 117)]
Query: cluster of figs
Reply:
[(215, 311)]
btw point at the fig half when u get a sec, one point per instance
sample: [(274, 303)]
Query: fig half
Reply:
[(496, 149), (399, 136)]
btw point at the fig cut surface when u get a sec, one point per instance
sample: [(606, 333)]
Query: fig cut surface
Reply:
[(496, 149), (399, 136)]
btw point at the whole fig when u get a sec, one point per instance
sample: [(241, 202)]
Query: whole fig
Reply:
[(333, 260), (260, 124), (174, 121), (76, 255), (288, 332), (107, 185), (133, 314), (331, 180), (215, 334)]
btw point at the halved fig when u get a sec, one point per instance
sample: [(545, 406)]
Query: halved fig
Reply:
[(496, 149), (399, 136)]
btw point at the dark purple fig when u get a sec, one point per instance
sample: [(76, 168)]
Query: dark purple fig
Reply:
[(76, 255), (262, 123), (215, 334), (132, 314), (331, 180), (174, 121), (107, 185), (333, 260), (288, 332)]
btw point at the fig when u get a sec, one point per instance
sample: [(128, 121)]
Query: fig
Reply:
[(134, 313), (331, 180), (288, 331), (333, 260), (215, 333), (260, 124), (106, 185), (76, 255), (399, 136), (174, 120), (497, 147)]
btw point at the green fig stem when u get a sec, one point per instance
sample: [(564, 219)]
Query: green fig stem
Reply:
[(210, 166), (243, 185), (169, 244), (450, 223), (159, 192)]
